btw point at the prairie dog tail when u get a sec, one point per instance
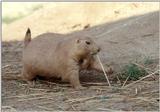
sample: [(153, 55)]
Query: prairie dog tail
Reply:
[(27, 38)]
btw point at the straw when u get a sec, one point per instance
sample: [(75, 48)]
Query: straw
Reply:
[(103, 70)]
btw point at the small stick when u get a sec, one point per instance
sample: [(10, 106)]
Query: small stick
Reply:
[(136, 91), (103, 70), (47, 102), (142, 78), (142, 66), (37, 89), (9, 107), (43, 107), (36, 98), (79, 100), (94, 84), (24, 96), (73, 107), (118, 79), (6, 66), (125, 81), (147, 69)]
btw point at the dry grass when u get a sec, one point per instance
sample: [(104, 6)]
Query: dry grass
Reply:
[(157, 71)]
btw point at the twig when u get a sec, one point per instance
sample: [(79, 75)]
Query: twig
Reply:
[(125, 81), (108, 88), (59, 106), (73, 107), (8, 107), (103, 70), (37, 89), (47, 102), (136, 91), (106, 109), (118, 79), (147, 69), (81, 99), (148, 99), (151, 92), (49, 96), (24, 96), (6, 66), (142, 78), (142, 67), (95, 84), (36, 98), (46, 108)]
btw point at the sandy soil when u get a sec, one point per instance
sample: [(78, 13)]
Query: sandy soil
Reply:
[(55, 95)]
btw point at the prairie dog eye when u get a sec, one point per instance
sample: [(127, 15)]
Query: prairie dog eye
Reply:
[(81, 61), (88, 43)]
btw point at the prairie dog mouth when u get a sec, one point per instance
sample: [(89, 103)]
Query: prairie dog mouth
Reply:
[(95, 52)]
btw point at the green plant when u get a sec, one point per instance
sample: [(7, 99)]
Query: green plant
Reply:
[(8, 20), (133, 72), (148, 61), (37, 7)]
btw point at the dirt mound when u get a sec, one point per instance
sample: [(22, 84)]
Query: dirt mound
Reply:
[(128, 40)]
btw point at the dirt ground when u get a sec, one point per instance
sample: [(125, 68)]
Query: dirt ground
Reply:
[(55, 95), (137, 37)]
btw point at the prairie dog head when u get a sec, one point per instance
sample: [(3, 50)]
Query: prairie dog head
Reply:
[(85, 45)]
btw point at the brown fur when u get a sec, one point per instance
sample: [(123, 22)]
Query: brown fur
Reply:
[(57, 55)]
